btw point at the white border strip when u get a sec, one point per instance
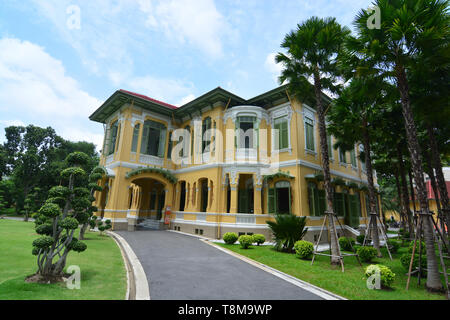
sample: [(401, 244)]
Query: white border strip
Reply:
[(295, 281)]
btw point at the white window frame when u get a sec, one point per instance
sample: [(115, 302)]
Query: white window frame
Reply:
[(281, 111)]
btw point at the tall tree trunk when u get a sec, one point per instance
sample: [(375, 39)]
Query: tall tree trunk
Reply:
[(335, 250), (400, 201), (372, 196), (404, 186), (433, 277), (413, 191), (438, 203), (437, 165)]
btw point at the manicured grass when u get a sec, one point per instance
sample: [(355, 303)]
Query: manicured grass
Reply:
[(351, 284), (103, 274)]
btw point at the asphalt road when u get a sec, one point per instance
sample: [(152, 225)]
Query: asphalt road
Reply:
[(180, 267)]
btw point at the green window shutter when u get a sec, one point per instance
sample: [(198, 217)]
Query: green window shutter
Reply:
[(112, 141), (271, 200), (284, 139), (312, 212), (145, 136), (353, 157), (290, 201), (162, 142), (330, 147), (169, 148), (134, 142)]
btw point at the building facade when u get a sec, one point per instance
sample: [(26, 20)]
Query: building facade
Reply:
[(222, 163)]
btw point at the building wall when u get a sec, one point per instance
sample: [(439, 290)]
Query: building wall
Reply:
[(125, 196)]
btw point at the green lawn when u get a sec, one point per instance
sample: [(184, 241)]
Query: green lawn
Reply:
[(351, 284), (103, 273)]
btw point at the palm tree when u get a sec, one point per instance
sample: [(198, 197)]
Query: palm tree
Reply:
[(312, 51), (351, 121), (410, 30)]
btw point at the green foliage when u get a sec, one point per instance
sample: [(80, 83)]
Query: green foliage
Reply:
[(44, 229), (165, 173), (77, 159), (50, 210), (230, 237), (360, 238), (72, 171), (79, 246), (366, 254), (43, 242), (346, 243), (69, 223), (279, 174), (405, 260), (418, 245), (287, 230), (245, 241), (387, 277), (393, 246), (259, 239), (304, 249), (58, 192)]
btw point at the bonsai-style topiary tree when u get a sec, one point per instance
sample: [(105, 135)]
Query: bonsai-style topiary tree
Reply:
[(58, 219)]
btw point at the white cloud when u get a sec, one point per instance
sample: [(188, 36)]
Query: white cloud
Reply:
[(273, 67), (167, 90), (185, 100), (34, 87), (197, 22)]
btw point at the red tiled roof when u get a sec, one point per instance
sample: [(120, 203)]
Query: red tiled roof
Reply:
[(149, 99)]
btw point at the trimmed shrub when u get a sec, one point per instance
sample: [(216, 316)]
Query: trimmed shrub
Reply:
[(387, 277), (259, 239), (422, 243), (346, 243), (304, 249), (393, 246), (360, 238), (230, 237), (405, 260), (366, 254), (245, 241)]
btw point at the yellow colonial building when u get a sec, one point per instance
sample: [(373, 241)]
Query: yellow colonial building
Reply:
[(221, 163)]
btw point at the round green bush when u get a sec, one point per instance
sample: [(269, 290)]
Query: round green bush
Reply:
[(44, 229), (346, 243), (43, 242), (405, 260), (360, 238), (79, 246), (230, 237), (387, 277), (393, 246), (259, 239), (50, 210), (69, 223), (366, 254), (304, 249), (411, 245), (245, 241)]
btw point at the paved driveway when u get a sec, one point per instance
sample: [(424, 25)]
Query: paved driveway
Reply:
[(180, 267)]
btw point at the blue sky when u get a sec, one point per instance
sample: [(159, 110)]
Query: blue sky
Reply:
[(53, 73)]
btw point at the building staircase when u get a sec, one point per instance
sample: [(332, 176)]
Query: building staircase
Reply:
[(150, 224)]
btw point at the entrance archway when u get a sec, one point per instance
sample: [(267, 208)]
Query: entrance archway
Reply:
[(152, 198)]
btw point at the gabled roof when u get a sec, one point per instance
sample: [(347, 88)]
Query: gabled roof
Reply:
[(208, 99), (120, 97)]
